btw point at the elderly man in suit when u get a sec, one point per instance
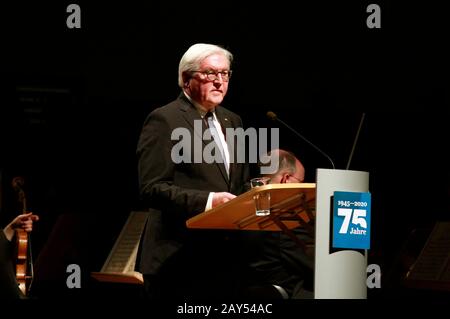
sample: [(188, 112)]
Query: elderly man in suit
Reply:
[(179, 180)]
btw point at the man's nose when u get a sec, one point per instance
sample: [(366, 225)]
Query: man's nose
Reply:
[(219, 78)]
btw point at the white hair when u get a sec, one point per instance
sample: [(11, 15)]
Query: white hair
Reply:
[(192, 58)]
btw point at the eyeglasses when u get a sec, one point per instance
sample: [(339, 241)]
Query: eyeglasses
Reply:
[(213, 75), (298, 179)]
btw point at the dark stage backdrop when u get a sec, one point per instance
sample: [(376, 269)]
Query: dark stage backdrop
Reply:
[(73, 102)]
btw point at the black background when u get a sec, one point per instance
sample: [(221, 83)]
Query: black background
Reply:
[(74, 100)]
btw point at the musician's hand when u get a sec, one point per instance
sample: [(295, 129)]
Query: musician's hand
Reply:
[(220, 198), (24, 221)]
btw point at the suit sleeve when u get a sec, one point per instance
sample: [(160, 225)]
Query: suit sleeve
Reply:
[(156, 171)]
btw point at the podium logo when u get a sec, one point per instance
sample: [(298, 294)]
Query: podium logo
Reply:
[(351, 220), (357, 217)]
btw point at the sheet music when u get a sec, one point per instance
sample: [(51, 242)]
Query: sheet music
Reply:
[(433, 262), (122, 257)]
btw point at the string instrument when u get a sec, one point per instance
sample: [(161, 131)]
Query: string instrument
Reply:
[(24, 263)]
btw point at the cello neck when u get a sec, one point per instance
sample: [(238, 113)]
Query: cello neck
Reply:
[(24, 261)]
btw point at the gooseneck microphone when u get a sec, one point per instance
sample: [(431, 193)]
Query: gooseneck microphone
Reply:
[(272, 116), (356, 140)]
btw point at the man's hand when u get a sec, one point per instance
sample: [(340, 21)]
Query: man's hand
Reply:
[(221, 198)]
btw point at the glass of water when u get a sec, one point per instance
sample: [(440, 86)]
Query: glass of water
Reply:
[(262, 199)]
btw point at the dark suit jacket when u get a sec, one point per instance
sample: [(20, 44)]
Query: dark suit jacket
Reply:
[(273, 258), (176, 192), (9, 288)]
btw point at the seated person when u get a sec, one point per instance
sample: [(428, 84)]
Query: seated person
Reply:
[(9, 288), (276, 266)]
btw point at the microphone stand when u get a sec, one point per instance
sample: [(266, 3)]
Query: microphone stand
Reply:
[(305, 139), (356, 140)]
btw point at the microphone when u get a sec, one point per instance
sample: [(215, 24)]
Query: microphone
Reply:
[(272, 116), (356, 140)]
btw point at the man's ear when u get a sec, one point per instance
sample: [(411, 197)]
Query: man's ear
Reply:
[(186, 78), (284, 178)]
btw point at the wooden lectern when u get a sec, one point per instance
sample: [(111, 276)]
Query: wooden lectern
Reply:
[(337, 274), (292, 205)]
